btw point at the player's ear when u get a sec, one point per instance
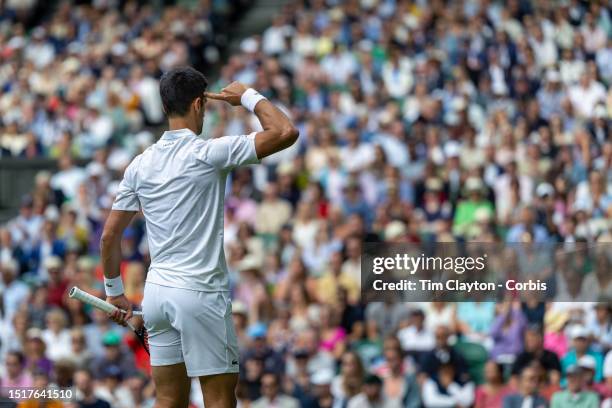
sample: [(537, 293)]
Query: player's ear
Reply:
[(197, 104)]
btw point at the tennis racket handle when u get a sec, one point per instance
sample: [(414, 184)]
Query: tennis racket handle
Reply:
[(78, 294)]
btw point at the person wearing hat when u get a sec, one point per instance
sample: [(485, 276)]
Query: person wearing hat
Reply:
[(113, 355), (35, 352), (580, 338), (550, 96), (554, 334), (575, 396), (240, 317), (475, 200), (258, 348), (588, 364), (111, 388), (320, 382)]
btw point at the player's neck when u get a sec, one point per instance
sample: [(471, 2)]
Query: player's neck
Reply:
[(179, 122)]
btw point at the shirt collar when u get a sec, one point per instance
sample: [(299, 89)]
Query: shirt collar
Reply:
[(175, 134)]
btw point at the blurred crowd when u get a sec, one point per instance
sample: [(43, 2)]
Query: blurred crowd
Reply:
[(420, 121)]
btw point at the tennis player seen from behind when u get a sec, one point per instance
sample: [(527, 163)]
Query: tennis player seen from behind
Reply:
[(179, 184)]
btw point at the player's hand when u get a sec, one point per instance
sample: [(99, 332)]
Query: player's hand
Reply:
[(230, 94), (124, 313)]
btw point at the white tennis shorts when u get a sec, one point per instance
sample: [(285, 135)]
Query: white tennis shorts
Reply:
[(190, 326)]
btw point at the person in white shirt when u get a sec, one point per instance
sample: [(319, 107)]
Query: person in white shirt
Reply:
[(14, 292), (272, 396), (356, 155), (179, 184), (585, 95), (446, 393), (56, 336), (372, 395), (417, 338)]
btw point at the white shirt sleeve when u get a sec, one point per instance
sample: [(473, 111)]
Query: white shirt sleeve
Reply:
[(126, 199), (434, 398), (464, 395), (229, 151)]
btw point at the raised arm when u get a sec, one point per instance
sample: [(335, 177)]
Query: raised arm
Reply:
[(278, 131)]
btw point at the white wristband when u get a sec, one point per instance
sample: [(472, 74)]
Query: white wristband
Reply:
[(113, 286), (249, 99)]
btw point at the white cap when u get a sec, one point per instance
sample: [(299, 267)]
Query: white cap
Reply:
[(473, 183), (452, 149), (95, 169), (322, 377), (587, 361), (34, 333), (52, 213), (434, 184), (544, 189), (249, 45), (9, 265), (285, 168), (249, 263), (553, 76), (53, 262), (238, 307), (578, 331), (395, 229)]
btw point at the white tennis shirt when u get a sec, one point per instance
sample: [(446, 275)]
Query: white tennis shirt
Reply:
[(179, 183)]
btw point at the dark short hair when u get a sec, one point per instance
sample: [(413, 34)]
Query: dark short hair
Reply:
[(372, 379), (19, 355), (179, 87)]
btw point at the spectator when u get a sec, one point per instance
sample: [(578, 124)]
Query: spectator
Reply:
[(35, 352), (527, 394), (416, 338), (56, 336), (371, 396), (445, 392), (534, 350), (581, 347), (491, 394), (575, 395), (14, 292), (507, 332), (271, 396), (348, 383), (333, 279), (16, 376), (444, 353), (85, 391), (114, 356), (421, 123)]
